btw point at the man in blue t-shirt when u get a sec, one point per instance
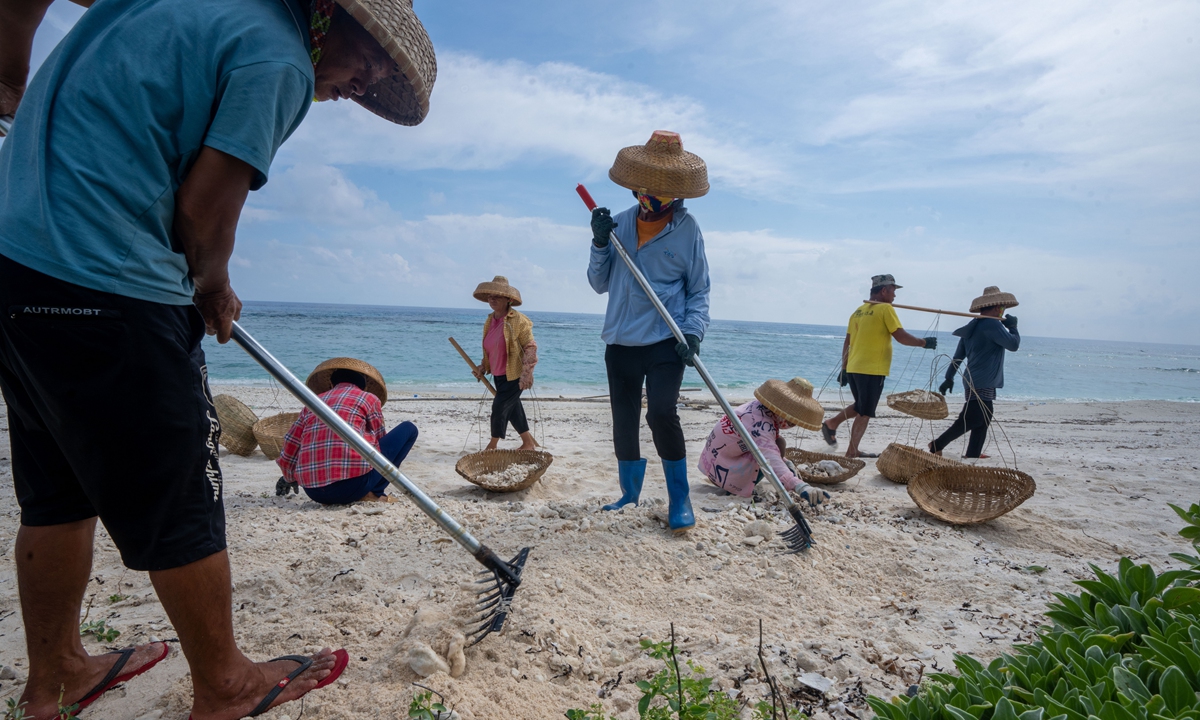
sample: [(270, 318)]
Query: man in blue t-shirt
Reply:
[(122, 179)]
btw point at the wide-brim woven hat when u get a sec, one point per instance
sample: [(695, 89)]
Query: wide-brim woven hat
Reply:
[(792, 401), (661, 167), (401, 98), (498, 286), (992, 297), (320, 379)]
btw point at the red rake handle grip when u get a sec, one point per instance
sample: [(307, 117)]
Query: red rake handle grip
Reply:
[(585, 196)]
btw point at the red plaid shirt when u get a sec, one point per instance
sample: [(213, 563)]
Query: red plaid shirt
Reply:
[(314, 457)]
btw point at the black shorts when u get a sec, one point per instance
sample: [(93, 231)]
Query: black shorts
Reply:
[(109, 414), (867, 389)]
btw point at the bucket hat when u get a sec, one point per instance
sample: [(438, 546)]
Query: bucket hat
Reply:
[(992, 297), (320, 380), (661, 167), (402, 98), (882, 280), (792, 401), (498, 286)]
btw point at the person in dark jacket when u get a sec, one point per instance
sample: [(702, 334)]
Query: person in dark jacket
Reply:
[(982, 343)]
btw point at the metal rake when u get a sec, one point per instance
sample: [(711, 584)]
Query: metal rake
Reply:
[(503, 578)]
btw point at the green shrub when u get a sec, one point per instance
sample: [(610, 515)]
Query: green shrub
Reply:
[(1126, 648)]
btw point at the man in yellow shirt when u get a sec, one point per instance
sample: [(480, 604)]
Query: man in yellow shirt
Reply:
[(867, 360)]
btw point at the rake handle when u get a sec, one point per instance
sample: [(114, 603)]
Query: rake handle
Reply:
[(471, 362), (734, 420), (351, 437), (6, 122)]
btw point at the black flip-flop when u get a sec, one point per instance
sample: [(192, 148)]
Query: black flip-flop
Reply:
[(829, 435), (115, 677), (868, 455)]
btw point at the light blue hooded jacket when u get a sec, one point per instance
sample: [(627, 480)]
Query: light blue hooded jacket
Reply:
[(674, 263)]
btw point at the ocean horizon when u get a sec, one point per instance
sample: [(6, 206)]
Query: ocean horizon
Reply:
[(410, 347)]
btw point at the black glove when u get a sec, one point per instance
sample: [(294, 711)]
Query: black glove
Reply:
[(946, 387), (843, 378), (1010, 322), (930, 343), (602, 225), (282, 487), (688, 350)]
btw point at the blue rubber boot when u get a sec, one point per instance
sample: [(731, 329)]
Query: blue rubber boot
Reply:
[(630, 473), (679, 511)]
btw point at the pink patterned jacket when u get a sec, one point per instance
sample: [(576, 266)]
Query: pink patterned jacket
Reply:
[(727, 462)]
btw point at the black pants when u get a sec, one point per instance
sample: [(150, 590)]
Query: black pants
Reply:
[(660, 368), (507, 407), (975, 416)]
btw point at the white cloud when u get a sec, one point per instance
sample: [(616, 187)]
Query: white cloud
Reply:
[(486, 115)]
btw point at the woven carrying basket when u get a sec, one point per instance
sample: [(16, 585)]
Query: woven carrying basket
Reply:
[(270, 431), (237, 425), (923, 404), (901, 463), (850, 466), (969, 494), (476, 465)]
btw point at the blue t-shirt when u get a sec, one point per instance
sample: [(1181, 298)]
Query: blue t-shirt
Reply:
[(114, 118)]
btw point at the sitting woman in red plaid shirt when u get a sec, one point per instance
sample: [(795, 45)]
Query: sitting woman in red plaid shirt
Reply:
[(328, 469)]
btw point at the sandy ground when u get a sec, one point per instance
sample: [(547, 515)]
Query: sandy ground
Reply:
[(889, 592)]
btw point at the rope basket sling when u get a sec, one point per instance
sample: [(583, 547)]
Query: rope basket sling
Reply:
[(270, 431), (850, 466), (237, 425), (924, 404), (489, 469), (901, 463), (969, 494)]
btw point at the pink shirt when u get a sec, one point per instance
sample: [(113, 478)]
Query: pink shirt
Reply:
[(496, 347), (727, 462)]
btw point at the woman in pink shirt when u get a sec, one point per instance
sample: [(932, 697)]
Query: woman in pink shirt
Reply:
[(509, 355), (728, 463)]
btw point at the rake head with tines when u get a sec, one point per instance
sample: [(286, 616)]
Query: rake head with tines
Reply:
[(798, 538), (499, 582)]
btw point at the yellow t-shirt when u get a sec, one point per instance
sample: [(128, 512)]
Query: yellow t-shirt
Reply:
[(870, 330)]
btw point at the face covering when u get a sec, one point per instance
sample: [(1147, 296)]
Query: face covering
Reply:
[(653, 203)]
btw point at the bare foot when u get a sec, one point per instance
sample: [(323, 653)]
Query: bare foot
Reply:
[(243, 694), (528, 446), (492, 445), (41, 699)]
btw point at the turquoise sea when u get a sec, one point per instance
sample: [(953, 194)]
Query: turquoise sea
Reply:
[(410, 347)]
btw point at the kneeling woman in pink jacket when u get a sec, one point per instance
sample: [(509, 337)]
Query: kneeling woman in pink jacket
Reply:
[(728, 463)]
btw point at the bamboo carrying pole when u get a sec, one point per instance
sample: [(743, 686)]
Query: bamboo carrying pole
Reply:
[(792, 508), (930, 310), (5, 124), (470, 362)]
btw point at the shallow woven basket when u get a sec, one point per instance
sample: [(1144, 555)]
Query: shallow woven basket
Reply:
[(475, 465), (969, 494), (237, 425), (851, 466), (910, 404), (270, 431), (901, 463)]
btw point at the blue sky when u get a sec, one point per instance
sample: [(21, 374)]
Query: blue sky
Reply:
[(1052, 149)]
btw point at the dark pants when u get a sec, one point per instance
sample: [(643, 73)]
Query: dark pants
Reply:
[(660, 368), (975, 416), (507, 407), (394, 446)]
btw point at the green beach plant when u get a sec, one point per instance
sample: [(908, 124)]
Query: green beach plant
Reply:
[(99, 630), (1125, 648)]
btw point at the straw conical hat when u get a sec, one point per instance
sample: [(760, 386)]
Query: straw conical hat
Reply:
[(401, 98), (498, 286), (992, 297), (661, 167), (792, 401), (319, 380)]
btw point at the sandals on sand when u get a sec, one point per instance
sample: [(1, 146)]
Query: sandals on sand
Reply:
[(343, 659), (829, 435), (866, 455), (114, 676)]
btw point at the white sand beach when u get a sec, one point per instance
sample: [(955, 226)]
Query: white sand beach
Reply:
[(887, 594)]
